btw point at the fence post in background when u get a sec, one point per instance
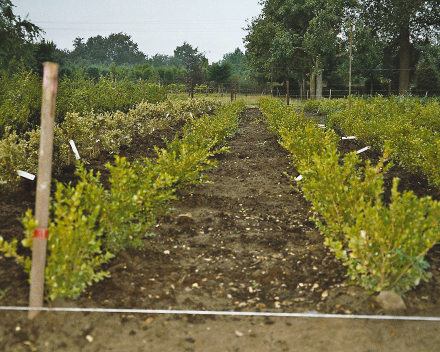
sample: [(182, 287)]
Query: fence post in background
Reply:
[(287, 93), (349, 65), (191, 89), (330, 94), (50, 82), (389, 89), (232, 94)]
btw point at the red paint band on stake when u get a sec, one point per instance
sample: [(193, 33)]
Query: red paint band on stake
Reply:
[(41, 233)]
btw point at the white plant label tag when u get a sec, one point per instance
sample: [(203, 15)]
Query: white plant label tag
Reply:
[(299, 178), (26, 175), (75, 151), (362, 150), (349, 137), (320, 125)]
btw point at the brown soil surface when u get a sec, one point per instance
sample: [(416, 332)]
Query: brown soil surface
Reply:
[(242, 243)]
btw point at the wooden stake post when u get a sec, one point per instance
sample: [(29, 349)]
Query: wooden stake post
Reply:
[(287, 93), (50, 82), (349, 65)]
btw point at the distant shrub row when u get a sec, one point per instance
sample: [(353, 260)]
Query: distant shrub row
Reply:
[(411, 125), (92, 134), (20, 98)]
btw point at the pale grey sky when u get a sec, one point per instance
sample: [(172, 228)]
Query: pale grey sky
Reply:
[(157, 26)]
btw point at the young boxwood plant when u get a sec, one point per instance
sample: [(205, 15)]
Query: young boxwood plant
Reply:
[(75, 241), (89, 223), (138, 194), (383, 247)]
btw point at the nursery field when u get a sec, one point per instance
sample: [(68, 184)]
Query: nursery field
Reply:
[(244, 242)]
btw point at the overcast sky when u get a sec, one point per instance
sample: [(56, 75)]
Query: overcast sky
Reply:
[(157, 26)]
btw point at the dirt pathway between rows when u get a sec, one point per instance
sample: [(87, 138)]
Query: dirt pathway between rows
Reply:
[(242, 243)]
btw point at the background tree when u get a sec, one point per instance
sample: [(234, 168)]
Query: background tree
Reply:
[(300, 34), (404, 22), (368, 53), (16, 36), (426, 78), (47, 51), (116, 48), (219, 73), (192, 60)]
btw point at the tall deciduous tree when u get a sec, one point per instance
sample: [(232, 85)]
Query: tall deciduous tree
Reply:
[(117, 48), (192, 60), (297, 33), (368, 50), (16, 35), (219, 72), (402, 21)]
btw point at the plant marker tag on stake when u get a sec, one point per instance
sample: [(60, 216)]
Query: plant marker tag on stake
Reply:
[(320, 125), (26, 175), (362, 150), (299, 178), (75, 151), (349, 137)]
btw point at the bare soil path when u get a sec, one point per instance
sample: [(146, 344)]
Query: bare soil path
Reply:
[(242, 243)]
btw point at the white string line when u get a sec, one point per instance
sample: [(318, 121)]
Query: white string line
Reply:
[(226, 313)]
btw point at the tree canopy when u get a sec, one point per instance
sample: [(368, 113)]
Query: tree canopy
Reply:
[(118, 48), (16, 35), (309, 35), (404, 22)]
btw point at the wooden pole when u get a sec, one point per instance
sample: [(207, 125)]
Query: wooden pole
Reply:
[(50, 82), (288, 93), (349, 66), (192, 89), (232, 94)]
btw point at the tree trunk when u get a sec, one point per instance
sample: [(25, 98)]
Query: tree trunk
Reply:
[(312, 85), (319, 86), (405, 61), (303, 85)]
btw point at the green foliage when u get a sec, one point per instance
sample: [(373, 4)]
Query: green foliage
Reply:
[(20, 101), (326, 106), (387, 246), (74, 244), (92, 134), (93, 72), (138, 194), (382, 246), (16, 35), (427, 78), (89, 223), (117, 48), (12, 158), (219, 73), (411, 126), (20, 98), (192, 60), (80, 95)]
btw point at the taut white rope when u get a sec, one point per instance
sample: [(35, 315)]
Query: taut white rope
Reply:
[(226, 313)]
